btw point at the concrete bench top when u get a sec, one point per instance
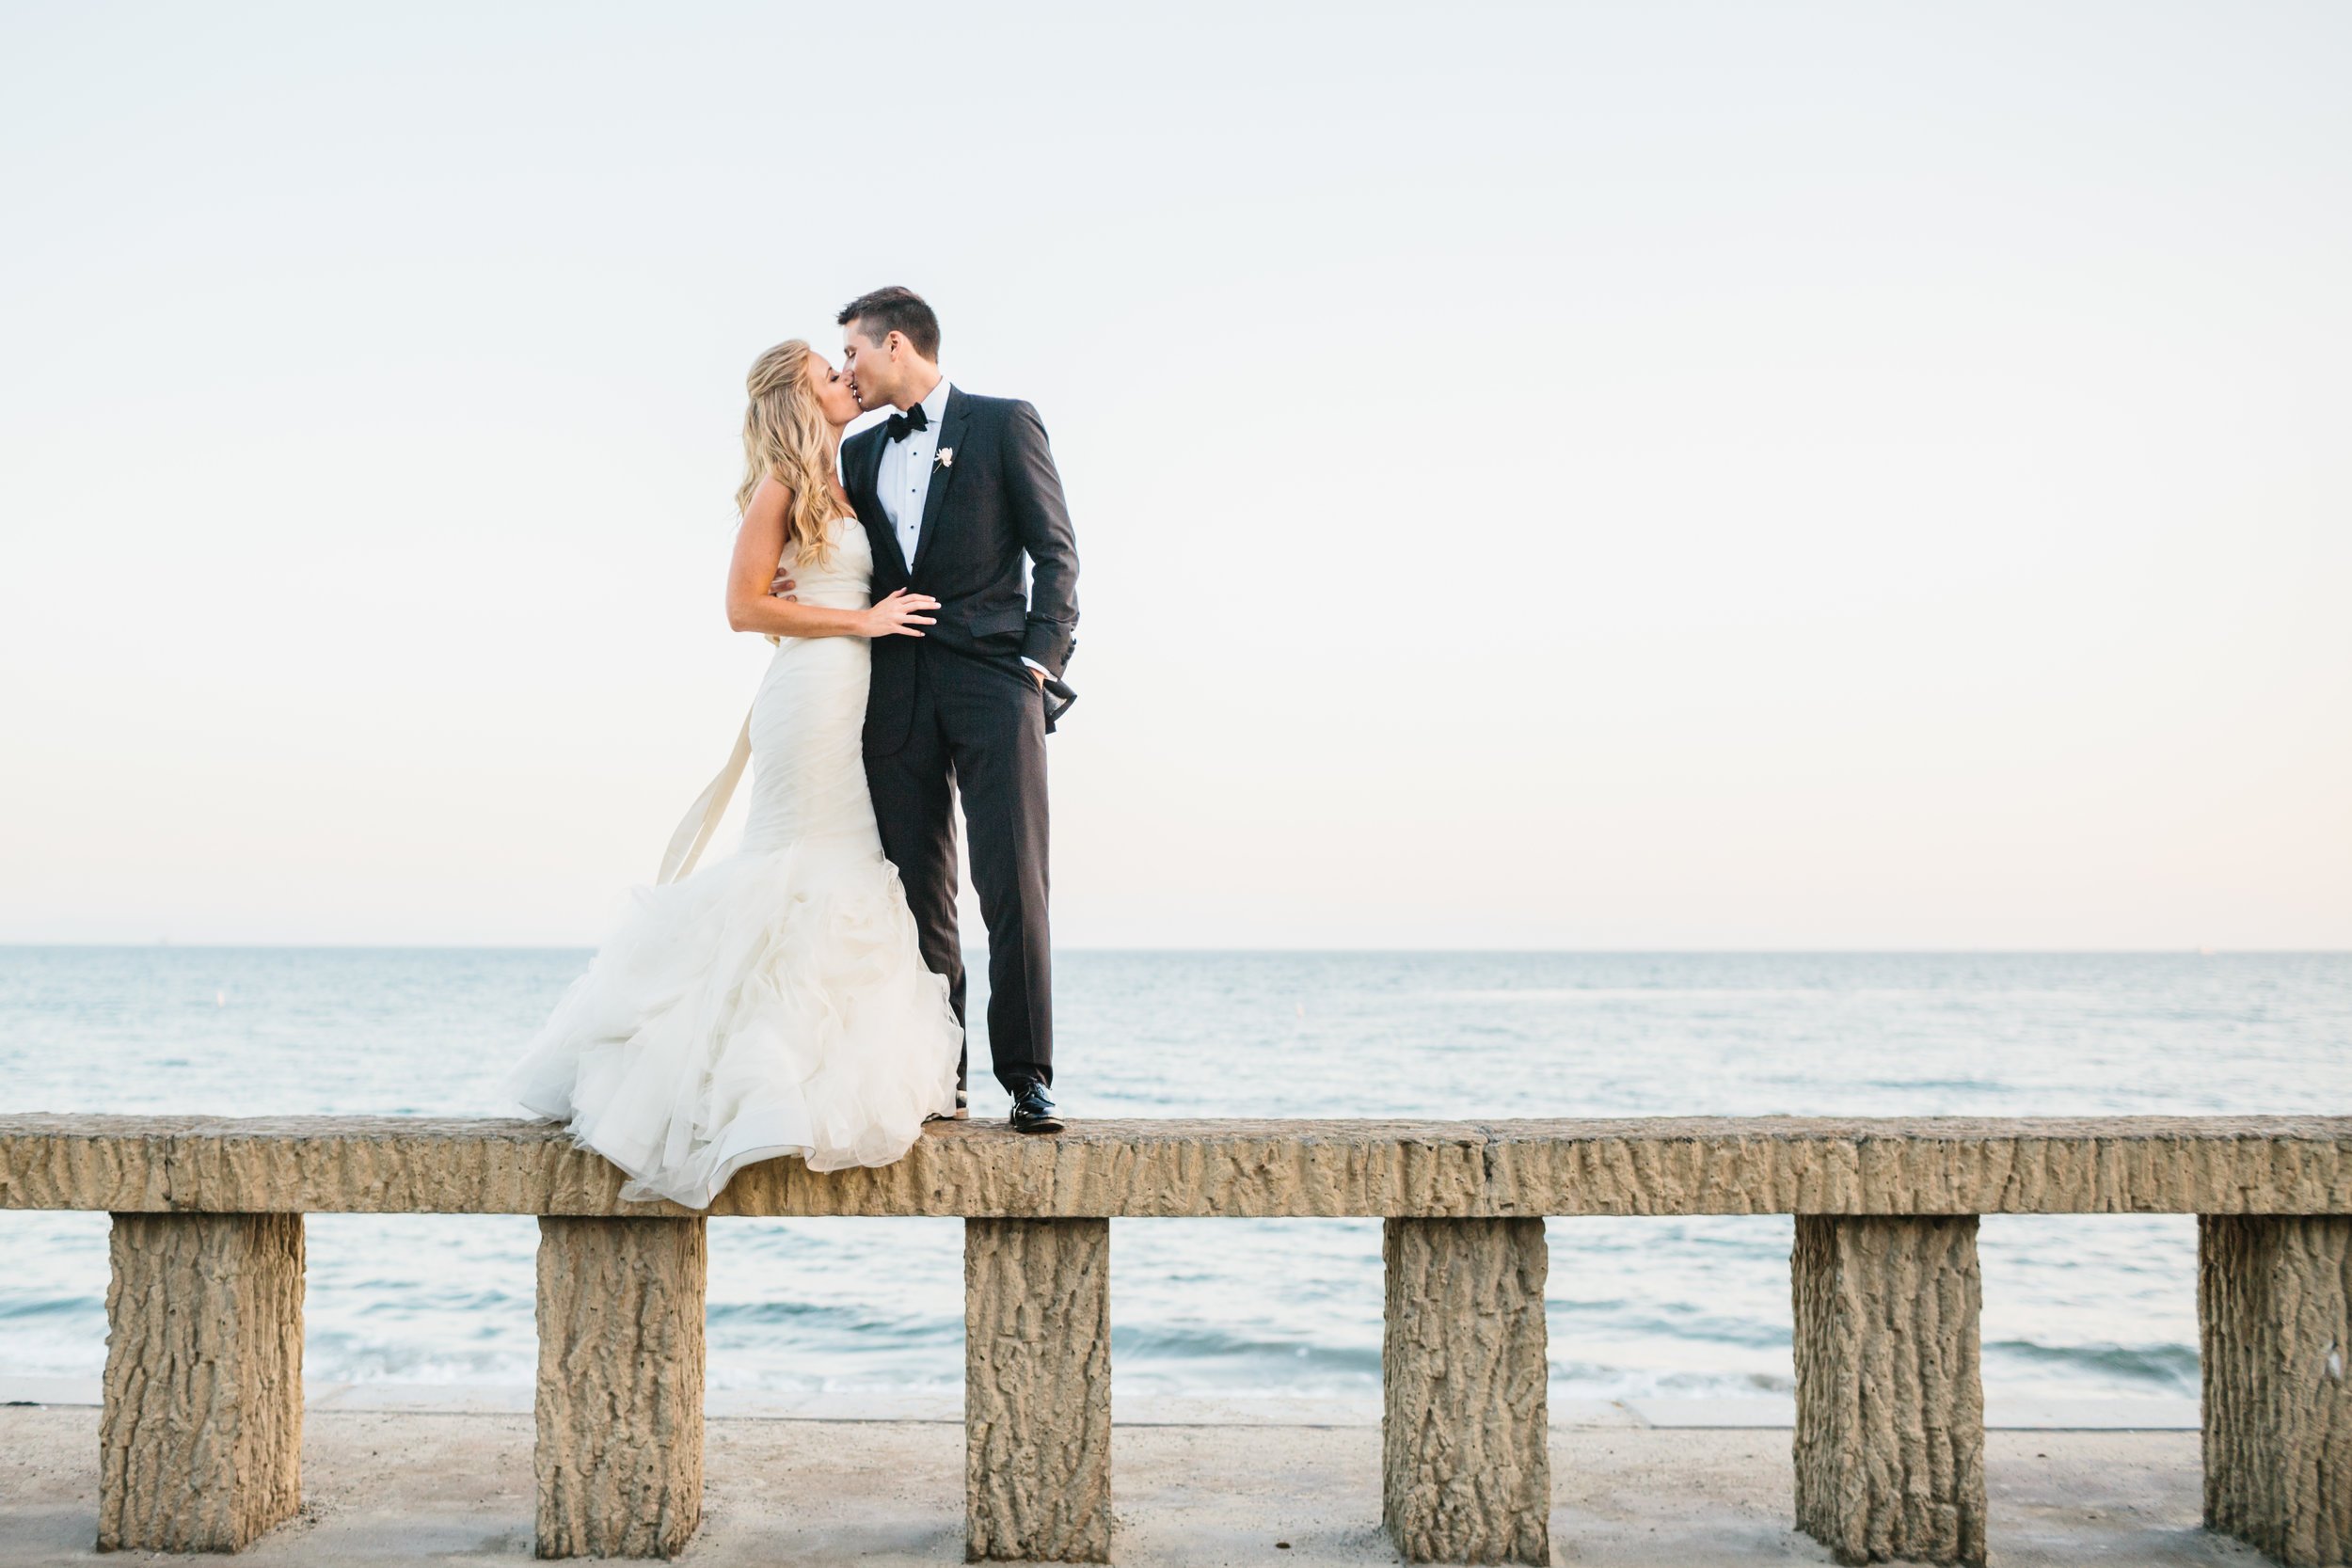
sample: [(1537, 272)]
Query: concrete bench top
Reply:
[(1170, 1167)]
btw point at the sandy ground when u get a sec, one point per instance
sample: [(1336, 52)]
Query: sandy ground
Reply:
[(386, 1488)]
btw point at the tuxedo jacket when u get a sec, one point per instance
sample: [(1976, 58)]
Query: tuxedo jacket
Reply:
[(994, 501)]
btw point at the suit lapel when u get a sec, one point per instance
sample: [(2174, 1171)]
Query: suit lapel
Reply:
[(869, 499), (951, 423)]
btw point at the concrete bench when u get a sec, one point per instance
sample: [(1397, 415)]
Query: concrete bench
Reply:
[(202, 1422)]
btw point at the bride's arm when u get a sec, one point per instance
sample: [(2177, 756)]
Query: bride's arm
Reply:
[(759, 545)]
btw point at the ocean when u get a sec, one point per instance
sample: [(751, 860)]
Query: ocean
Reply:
[(2088, 1307)]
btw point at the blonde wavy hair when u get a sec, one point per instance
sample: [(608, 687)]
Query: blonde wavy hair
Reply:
[(785, 435)]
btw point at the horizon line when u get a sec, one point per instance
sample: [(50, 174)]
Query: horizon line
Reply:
[(1300, 951)]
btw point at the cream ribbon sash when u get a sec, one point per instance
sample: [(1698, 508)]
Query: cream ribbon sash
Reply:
[(702, 818)]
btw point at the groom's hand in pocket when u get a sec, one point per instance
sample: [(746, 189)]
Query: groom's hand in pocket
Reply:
[(782, 588)]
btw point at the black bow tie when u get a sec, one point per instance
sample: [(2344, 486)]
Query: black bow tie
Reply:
[(913, 419)]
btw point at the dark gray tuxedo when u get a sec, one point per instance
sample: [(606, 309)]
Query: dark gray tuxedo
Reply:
[(957, 704)]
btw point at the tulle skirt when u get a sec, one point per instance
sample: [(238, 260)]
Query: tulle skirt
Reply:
[(774, 1002)]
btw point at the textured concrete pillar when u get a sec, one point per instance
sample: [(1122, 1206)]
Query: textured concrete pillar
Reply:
[(200, 1440), (1466, 1476), (620, 1406), (1037, 1394), (2273, 1304), (1890, 1400)]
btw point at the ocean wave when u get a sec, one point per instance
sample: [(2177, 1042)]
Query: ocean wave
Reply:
[(1209, 1347), (2164, 1367), (51, 1308), (850, 1321)]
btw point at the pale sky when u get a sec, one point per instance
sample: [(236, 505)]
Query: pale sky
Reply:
[(1566, 476)]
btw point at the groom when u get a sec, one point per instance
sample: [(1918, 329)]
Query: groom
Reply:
[(954, 490)]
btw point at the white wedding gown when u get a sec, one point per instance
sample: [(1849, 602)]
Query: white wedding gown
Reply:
[(775, 1001)]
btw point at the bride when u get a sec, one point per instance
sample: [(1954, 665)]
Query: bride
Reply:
[(773, 1002)]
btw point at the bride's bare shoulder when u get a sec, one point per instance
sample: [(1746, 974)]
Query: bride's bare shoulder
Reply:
[(770, 494)]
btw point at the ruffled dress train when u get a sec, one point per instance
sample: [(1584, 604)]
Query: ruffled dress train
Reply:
[(775, 1001)]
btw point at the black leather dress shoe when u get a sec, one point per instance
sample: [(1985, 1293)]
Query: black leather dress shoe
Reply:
[(1033, 1110)]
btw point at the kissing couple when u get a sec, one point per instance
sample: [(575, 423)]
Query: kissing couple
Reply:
[(804, 994)]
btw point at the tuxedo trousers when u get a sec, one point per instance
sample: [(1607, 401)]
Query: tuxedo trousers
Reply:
[(977, 730)]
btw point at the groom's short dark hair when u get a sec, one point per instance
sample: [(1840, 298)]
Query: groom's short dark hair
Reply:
[(895, 310)]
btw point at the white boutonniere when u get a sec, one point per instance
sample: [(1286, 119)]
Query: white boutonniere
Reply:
[(947, 458)]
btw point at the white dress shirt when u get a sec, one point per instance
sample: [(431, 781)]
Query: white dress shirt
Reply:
[(904, 482)]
